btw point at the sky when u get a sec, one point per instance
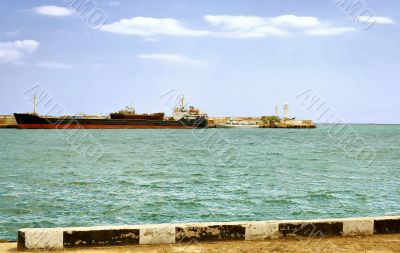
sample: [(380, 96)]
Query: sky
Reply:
[(228, 57)]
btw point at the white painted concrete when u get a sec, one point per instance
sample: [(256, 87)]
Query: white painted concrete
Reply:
[(358, 227), (44, 239), (261, 230), (157, 234), (52, 238)]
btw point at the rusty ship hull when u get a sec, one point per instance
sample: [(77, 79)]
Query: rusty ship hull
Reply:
[(154, 116), (33, 121)]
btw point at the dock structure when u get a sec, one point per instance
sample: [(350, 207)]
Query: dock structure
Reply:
[(273, 121), (214, 121), (168, 234), (264, 122), (276, 122), (8, 121)]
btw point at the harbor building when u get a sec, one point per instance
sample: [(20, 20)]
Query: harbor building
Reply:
[(273, 121)]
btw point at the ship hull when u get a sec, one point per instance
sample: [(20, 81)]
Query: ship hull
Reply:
[(155, 116), (30, 121)]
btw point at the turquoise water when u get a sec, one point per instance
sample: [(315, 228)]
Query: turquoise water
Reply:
[(158, 176)]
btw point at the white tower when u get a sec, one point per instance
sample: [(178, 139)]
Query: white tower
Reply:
[(286, 110), (276, 111)]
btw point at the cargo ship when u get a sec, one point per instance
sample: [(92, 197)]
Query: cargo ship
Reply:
[(124, 119)]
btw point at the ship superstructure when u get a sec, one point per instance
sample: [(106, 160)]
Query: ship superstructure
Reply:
[(130, 113), (180, 112)]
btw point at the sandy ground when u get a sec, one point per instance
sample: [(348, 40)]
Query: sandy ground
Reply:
[(370, 244)]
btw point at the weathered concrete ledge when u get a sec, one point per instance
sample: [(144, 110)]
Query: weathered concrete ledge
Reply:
[(60, 238)]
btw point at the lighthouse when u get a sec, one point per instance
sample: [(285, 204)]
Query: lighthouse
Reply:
[(286, 110)]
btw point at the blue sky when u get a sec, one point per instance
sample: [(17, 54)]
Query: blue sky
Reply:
[(228, 57)]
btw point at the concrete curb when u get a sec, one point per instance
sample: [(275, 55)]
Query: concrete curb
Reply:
[(60, 238)]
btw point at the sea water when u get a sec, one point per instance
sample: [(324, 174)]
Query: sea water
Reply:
[(169, 176)]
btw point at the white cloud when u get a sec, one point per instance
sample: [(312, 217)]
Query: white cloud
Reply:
[(169, 58), (252, 22), (50, 10), (330, 31), (13, 51), (257, 32), (235, 22), (239, 27), (295, 21), (148, 27), (243, 26), (376, 20)]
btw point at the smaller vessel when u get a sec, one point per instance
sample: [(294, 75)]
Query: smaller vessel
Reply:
[(237, 124)]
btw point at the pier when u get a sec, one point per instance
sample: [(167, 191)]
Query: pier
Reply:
[(189, 233), (8, 121), (263, 122)]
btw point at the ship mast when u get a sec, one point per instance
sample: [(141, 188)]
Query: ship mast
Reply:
[(34, 104), (182, 102)]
